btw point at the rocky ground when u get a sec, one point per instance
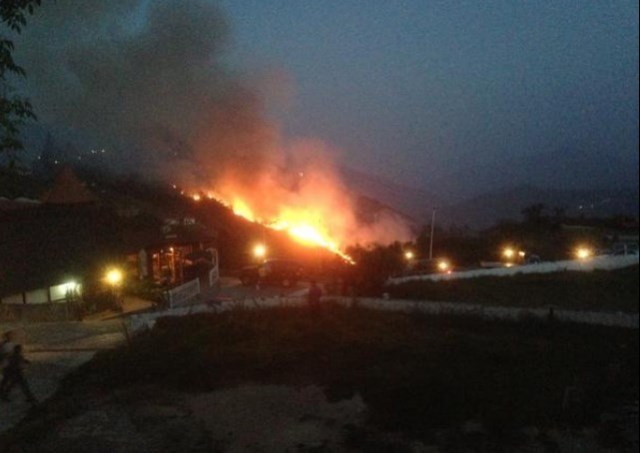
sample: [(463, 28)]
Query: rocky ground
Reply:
[(248, 418)]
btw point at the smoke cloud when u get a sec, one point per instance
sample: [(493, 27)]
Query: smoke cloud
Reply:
[(149, 79), (133, 73)]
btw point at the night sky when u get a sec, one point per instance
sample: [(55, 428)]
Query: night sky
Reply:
[(450, 96)]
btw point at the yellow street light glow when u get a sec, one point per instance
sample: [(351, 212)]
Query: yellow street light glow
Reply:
[(409, 255), (113, 277), (583, 253), (508, 253), (260, 251), (443, 265), (521, 254)]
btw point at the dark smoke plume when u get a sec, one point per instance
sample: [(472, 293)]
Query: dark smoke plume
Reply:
[(149, 79), (146, 78)]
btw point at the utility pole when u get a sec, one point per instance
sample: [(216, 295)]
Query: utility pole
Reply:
[(433, 221)]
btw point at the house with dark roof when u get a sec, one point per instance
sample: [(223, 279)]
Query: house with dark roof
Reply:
[(67, 189), (73, 234)]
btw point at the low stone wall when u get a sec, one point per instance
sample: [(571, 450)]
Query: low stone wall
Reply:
[(50, 312), (145, 321)]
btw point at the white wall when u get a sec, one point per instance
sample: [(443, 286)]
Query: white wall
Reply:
[(596, 263)]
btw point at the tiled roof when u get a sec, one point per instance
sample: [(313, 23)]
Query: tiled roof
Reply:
[(68, 189)]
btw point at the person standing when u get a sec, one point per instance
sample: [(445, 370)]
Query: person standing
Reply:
[(314, 295), (13, 374)]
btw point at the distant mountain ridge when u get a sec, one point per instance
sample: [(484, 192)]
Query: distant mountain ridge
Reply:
[(417, 204), (487, 209)]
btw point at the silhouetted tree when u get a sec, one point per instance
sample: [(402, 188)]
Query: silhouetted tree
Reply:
[(422, 241), (14, 110), (374, 265), (533, 214), (559, 214)]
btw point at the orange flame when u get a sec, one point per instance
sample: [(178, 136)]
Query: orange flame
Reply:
[(313, 206), (303, 225), (242, 209)]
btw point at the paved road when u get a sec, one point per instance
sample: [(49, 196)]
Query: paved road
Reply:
[(233, 289)]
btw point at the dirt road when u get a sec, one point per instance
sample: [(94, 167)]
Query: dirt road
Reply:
[(57, 348)]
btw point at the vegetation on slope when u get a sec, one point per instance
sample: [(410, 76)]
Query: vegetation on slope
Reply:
[(419, 375), (596, 291)]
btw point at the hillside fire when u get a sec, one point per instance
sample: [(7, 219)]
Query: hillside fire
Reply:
[(304, 225), (309, 201)]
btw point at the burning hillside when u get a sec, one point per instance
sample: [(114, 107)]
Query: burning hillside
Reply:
[(312, 206)]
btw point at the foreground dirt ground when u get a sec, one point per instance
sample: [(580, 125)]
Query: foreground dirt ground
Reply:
[(246, 417)]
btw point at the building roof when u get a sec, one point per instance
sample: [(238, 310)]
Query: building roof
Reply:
[(68, 189)]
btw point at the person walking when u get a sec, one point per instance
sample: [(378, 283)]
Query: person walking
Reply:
[(6, 349), (13, 374), (6, 345)]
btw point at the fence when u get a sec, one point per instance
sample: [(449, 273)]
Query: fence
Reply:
[(145, 321), (53, 303), (184, 294)]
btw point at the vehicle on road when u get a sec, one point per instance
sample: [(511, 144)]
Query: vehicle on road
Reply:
[(285, 273)]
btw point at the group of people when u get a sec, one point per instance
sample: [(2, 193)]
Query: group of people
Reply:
[(12, 364)]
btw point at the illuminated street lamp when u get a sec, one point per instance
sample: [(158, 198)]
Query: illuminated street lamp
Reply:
[(508, 253), (260, 251), (409, 255), (583, 253), (113, 277), (444, 266)]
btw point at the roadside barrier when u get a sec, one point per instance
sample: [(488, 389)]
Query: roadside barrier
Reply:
[(184, 294), (145, 321), (606, 263)]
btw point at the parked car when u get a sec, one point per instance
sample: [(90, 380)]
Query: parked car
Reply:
[(285, 273)]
